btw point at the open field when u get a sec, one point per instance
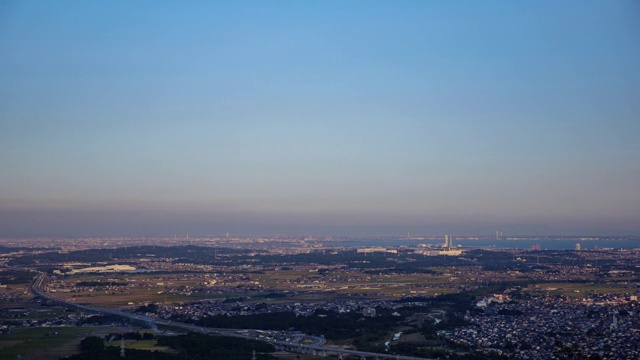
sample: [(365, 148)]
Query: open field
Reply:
[(143, 345), (300, 285), (315, 284), (141, 297), (580, 290), (27, 310), (43, 343), (178, 288), (142, 289), (32, 343), (15, 293)]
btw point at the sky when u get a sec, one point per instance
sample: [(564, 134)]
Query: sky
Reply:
[(150, 118)]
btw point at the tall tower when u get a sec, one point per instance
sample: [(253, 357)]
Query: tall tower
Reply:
[(578, 247), (446, 241)]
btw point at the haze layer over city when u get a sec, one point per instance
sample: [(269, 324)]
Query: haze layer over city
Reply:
[(323, 118)]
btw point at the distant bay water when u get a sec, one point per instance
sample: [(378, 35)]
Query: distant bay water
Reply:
[(556, 244)]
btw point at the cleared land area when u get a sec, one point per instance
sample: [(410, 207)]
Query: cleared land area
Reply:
[(42, 343), (581, 290)]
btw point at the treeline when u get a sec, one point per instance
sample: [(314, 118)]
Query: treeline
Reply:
[(15, 277), (191, 346), (113, 353), (10, 249), (94, 348), (151, 308), (101, 283), (332, 325), (200, 347), (496, 260), (510, 312)]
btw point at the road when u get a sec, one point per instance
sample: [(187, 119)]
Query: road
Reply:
[(317, 346)]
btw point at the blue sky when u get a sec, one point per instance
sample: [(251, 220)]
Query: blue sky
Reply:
[(328, 117)]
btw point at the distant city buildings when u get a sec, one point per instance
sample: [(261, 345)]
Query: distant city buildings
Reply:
[(448, 241), (450, 252)]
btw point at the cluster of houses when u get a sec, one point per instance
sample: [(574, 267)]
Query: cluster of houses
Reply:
[(603, 325)]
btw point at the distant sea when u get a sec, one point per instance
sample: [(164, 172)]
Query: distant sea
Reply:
[(558, 244)]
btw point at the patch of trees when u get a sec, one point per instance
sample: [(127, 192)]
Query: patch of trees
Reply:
[(402, 270), (101, 283), (9, 249), (15, 277), (151, 308), (369, 342), (272, 321), (332, 325), (413, 299), (405, 311), (335, 326), (231, 300), (458, 302), (247, 272), (113, 353), (200, 347), (273, 295), (496, 260), (510, 312), (563, 351), (190, 346), (429, 329), (92, 344)]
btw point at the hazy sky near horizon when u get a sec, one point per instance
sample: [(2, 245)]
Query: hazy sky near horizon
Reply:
[(334, 117)]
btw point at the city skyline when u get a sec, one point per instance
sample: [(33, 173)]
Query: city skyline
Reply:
[(356, 118)]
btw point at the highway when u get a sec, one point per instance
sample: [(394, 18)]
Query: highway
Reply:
[(292, 346)]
